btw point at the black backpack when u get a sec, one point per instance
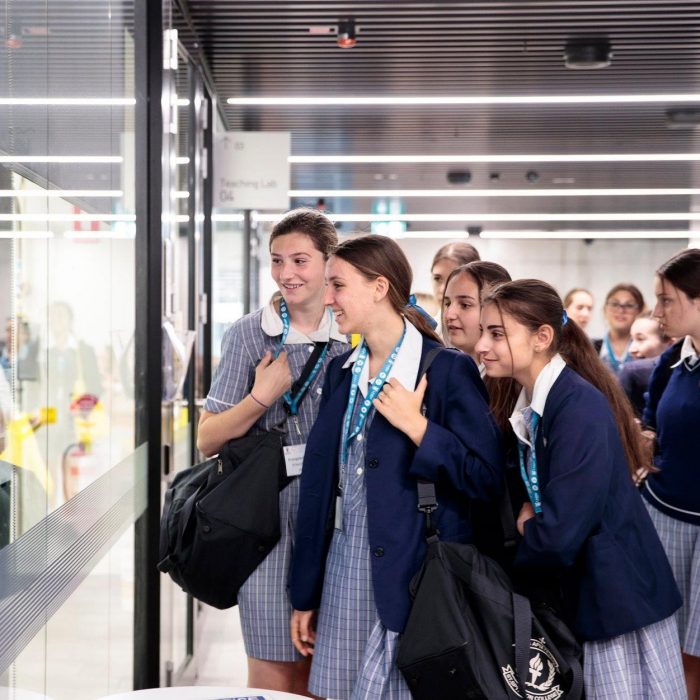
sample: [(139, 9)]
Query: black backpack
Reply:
[(221, 518), (470, 635)]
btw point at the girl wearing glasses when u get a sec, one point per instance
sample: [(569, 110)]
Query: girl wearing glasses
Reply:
[(623, 303), (584, 524), (673, 412), (360, 537)]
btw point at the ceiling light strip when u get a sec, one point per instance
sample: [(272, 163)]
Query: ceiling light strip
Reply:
[(483, 217), (586, 235), (61, 159), (67, 101), (490, 158), (427, 100), (60, 193), (557, 192), (68, 217), (26, 234)]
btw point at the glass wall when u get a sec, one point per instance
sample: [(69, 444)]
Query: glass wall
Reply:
[(67, 228)]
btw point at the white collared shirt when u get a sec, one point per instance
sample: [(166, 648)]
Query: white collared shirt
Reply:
[(271, 323), (688, 352), (545, 380), (406, 365)]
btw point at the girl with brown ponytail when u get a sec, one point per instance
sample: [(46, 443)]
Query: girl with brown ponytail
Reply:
[(584, 521)]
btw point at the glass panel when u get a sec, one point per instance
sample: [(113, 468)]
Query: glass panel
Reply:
[(67, 229)]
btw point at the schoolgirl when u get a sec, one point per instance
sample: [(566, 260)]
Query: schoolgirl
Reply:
[(584, 521), (673, 411), (578, 303), (256, 387), (461, 303), (622, 305), (360, 536)]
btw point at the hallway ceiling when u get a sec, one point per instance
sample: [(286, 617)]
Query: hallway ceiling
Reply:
[(408, 48)]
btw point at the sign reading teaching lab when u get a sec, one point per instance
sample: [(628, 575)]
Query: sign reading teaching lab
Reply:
[(251, 170)]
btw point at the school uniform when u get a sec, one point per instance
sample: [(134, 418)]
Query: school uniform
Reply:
[(608, 356), (673, 493), (594, 534), (263, 603), (356, 569), (634, 379)]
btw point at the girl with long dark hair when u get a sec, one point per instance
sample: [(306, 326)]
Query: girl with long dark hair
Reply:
[(584, 524)]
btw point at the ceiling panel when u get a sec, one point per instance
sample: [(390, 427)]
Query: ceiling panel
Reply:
[(408, 48)]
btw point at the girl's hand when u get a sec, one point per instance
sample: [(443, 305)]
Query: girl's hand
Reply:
[(272, 378), (303, 631), (526, 512), (402, 408)]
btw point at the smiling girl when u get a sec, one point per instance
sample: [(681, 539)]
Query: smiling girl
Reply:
[(256, 388), (360, 536), (584, 524)]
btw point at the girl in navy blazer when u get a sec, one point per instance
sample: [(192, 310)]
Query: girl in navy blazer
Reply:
[(360, 536), (584, 522), (673, 412)]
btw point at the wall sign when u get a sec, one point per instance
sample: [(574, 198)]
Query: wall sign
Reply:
[(251, 170)]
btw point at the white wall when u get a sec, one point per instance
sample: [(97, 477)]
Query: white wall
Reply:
[(564, 264)]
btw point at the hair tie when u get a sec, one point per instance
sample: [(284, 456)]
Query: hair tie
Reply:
[(564, 318), (413, 305)]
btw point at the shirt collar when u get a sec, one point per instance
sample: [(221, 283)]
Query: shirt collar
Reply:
[(271, 323), (406, 364), (687, 353), (543, 384)]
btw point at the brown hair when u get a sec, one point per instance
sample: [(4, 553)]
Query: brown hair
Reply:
[(683, 272), (631, 289), (459, 252), (569, 296), (649, 316), (312, 223), (378, 256), (534, 303), (503, 391)]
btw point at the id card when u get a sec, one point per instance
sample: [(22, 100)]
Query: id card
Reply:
[(294, 459)]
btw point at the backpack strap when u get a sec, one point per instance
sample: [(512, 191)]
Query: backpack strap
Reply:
[(522, 631), (427, 500)]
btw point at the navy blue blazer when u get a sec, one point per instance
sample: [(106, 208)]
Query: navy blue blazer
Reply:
[(461, 453), (593, 526)]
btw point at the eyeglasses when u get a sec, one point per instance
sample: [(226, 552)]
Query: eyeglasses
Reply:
[(617, 306)]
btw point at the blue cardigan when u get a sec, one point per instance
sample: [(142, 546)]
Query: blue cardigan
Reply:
[(594, 528), (461, 453)]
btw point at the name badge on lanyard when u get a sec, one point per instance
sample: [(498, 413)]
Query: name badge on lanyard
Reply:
[(350, 432)]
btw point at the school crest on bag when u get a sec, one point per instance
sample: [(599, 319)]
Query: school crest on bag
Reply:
[(543, 674)]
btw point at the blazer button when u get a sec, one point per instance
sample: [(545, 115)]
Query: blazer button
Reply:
[(378, 551), (372, 463)]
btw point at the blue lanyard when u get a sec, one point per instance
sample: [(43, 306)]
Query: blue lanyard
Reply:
[(294, 401), (530, 477), (372, 394), (616, 364)]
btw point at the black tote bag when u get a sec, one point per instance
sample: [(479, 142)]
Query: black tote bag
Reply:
[(470, 635)]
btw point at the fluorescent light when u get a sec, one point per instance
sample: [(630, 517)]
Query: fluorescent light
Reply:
[(489, 158), (67, 101), (67, 217), (182, 102), (577, 234), (60, 193), (180, 194), (463, 100), (482, 217), (99, 235), (61, 159), (26, 234), (237, 217), (557, 192), (181, 160)]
